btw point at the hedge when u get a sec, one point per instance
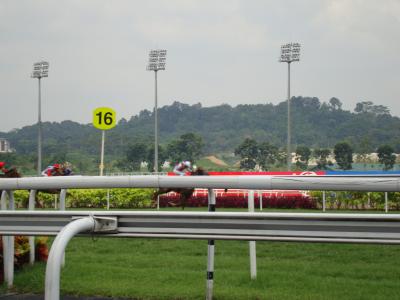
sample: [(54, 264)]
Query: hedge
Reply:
[(357, 200), (228, 201), (92, 198)]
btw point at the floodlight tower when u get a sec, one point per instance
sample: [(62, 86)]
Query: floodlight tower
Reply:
[(157, 59), (40, 70), (289, 53)]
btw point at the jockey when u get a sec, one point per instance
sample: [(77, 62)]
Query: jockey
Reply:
[(52, 170), (181, 168), (66, 169)]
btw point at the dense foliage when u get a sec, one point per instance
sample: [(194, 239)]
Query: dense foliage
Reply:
[(223, 127), (357, 200), (92, 198)]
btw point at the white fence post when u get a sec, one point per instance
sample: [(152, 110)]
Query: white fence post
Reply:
[(63, 196), (260, 198), (252, 244), (108, 199), (55, 201), (386, 202), (323, 200), (31, 206), (8, 241)]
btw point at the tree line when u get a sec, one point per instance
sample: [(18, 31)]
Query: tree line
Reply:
[(267, 156)]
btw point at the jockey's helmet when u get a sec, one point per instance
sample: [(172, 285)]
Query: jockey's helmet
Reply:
[(67, 165), (187, 163), (2, 164)]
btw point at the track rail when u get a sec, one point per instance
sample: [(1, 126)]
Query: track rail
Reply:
[(301, 227)]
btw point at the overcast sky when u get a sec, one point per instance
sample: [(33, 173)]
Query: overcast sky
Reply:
[(218, 52)]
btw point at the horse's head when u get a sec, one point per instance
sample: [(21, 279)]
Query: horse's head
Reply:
[(199, 172)]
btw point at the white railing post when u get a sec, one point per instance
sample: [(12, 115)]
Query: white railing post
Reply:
[(63, 196), (55, 201), (108, 199), (31, 206), (210, 250), (252, 244), (323, 201), (8, 241), (386, 202)]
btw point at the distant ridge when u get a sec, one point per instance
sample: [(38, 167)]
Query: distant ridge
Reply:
[(223, 127)]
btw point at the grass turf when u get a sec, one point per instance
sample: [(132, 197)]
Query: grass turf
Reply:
[(176, 269)]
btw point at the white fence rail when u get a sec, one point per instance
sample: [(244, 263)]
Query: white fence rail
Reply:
[(251, 182)]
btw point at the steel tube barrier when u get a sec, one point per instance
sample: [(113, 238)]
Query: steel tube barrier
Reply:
[(253, 182), (56, 255), (299, 227)]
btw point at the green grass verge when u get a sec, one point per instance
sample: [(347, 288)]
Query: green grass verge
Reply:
[(176, 269)]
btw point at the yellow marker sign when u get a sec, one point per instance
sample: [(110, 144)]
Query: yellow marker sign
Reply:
[(104, 118)]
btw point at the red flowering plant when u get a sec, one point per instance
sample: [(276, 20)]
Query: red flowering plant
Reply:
[(233, 201), (21, 251)]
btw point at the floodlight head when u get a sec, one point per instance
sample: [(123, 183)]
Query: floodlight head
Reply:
[(290, 52), (40, 69), (157, 59)]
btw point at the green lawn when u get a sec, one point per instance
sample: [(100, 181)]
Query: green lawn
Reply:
[(176, 269)]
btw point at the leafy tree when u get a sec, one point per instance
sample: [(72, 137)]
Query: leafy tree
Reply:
[(386, 157), (343, 155), (248, 152), (363, 149), (136, 154), (162, 157), (281, 157), (267, 155), (188, 147), (335, 103), (303, 154), (369, 107), (321, 156)]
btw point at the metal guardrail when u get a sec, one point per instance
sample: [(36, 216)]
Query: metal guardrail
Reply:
[(301, 227)]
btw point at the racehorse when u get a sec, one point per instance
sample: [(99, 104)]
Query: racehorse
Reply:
[(11, 173), (55, 172), (185, 193)]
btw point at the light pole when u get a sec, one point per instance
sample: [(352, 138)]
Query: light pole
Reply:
[(40, 70), (289, 53), (157, 59)]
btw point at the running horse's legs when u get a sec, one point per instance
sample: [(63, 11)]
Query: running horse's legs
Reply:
[(185, 195)]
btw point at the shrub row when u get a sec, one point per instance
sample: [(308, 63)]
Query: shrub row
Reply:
[(228, 201), (91, 198), (356, 200)]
